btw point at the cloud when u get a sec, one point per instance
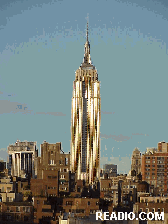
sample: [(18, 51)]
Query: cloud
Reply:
[(137, 134), (7, 106), (115, 137), (105, 112), (5, 94), (140, 134), (52, 113)]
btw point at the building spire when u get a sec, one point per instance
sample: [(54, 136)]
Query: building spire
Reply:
[(87, 32), (87, 59)]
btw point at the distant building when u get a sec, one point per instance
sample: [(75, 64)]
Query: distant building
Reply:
[(21, 160), (2, 165), (154, 168), (136, 162), (110, 169)]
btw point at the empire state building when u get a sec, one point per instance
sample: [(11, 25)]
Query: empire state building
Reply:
[(85, 120)]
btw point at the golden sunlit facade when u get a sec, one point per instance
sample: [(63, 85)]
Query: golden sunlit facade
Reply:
[(85, 121)]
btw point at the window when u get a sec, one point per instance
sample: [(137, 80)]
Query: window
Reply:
[(62, 177), (51, 152), (26, 218), (66, 161), (17, 209), (8, 189), (8, 217), (52, 162), (88, 202), (17, 217), (27, 209), (68, 202)]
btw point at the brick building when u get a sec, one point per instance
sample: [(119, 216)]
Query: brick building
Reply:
[(19, 212), (81, 206), (155, 167), (53, 175)]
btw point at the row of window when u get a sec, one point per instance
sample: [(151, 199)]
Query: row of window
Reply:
[(63, 189), (51, 187), (158, 177), (159, 173), (158, 158), (158, 166), (127, 186), (71, 203), (52, 177), (153, 210), (25, 209), (158, 162), (60, 162)]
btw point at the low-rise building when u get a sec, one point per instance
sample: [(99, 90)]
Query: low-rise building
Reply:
[(21, 212)]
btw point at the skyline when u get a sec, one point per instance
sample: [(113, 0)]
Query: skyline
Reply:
[(40, 54)]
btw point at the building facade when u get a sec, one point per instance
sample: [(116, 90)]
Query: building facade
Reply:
[(53, 175), (155, 167), (136, 161), (85, 120), (22, 157)]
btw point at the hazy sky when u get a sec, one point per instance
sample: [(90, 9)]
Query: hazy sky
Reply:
[(41, 47)]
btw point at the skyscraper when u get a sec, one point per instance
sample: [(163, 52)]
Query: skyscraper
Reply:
[(85, 120)]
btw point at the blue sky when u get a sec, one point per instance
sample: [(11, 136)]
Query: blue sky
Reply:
[(41, 47)]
